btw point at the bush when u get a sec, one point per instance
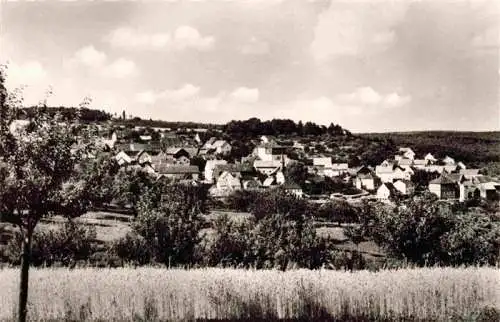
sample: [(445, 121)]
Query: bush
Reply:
[(66, 245), (132, 249), (339, 211)]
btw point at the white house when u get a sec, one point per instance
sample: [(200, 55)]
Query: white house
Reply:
[(280, 177), (221, 147), (407, 153), (385, 173), (365, 181), (449, 160), (404, 187), (228, 182), (264, 139), (429, 157), (325, 162), (209, 169), (294, 189), (123, 158), (270, 152), (267, 167), (386, 191)]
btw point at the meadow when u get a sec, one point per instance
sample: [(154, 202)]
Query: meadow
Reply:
[(147, 293)]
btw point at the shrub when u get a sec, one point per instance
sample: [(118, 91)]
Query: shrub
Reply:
[(69, 243), (133, 249)]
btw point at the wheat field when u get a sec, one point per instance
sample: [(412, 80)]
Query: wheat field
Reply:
[(174, 294)]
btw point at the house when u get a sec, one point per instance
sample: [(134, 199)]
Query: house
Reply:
[(365, 181), (178, 156), (270, 152), (294, 189), (264, 139), (145, 138), (469, 173), (337, 169), (323, 162), (420, 163), (280, 177), (385, 173), (209, 169), (143, 157), (228, 182), (178, 171), (393, 172), (430, 158), (405, 153), (405, 163), (386, 191), (461, 165), (298, 146), (434, 168), (267, 167), (221, 147), (489, 188), (444, 187), (405, 187), (468, 191), (448, 160), (123, 158), (450, 168)]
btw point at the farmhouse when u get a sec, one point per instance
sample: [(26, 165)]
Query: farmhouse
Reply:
[(178, 156), (405, 187), (386, 191), (210, 167), (178, 171), (444, 187)]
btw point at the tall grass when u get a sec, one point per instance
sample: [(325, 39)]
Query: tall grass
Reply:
[(161, 294)]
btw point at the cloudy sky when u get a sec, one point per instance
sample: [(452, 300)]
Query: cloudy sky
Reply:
[(368, 65)]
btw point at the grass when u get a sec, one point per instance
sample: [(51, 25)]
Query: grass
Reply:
[(425, 294)]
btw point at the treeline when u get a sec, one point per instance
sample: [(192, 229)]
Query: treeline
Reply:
[(473, 148), (68, 114), (254, 127), (137, 121)]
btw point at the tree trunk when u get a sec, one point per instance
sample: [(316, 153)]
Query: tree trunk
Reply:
[(23, 287)]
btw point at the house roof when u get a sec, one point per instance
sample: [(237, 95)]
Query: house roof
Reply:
[(291, 186), (390, 187), (443, 179), (177, 169), (420, 162), (469, 172), (267, 164), (340, 166), (405, 162), (219, 143)]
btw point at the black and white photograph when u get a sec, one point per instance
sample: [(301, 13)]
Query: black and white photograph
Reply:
[(250, 160)]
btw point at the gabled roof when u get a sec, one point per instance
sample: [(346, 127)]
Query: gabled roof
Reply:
[(384, 169), (443, 179), (405, 162), (177, 169), (469, 172), (340, 166), (267, 164), (420, 162), (390, 187), (219, 143)]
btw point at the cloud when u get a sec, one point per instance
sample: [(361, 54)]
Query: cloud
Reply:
[(184, 37), (89, 56), (365, 29), (28, 73), (183, 93), (255, 47), (245, 95), (366, 98), (120, 68), (97, 62)]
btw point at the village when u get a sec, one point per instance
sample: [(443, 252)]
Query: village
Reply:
[(187, 158)]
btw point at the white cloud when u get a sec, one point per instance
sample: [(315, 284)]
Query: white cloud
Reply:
[(255, 47), (363, 30), (183, 93), (120, 68), (245, 95), (366, 98), (182, 38), (91, 57), (27, 73)]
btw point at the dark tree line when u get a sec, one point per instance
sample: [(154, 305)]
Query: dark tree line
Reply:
[(254, 127), (67, 114)]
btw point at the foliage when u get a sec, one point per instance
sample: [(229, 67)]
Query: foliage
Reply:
[(169, 219), (129, 185), (133, 249), (68, 114), (65, 245), (426, 232), (421, 178), (241, 200), (296, 172), (339, 211)]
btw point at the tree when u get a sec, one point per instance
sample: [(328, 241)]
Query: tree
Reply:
[(296, 172), (169, 219), (39, 174)]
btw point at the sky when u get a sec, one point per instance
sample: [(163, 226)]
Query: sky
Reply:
[(370, 66)]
